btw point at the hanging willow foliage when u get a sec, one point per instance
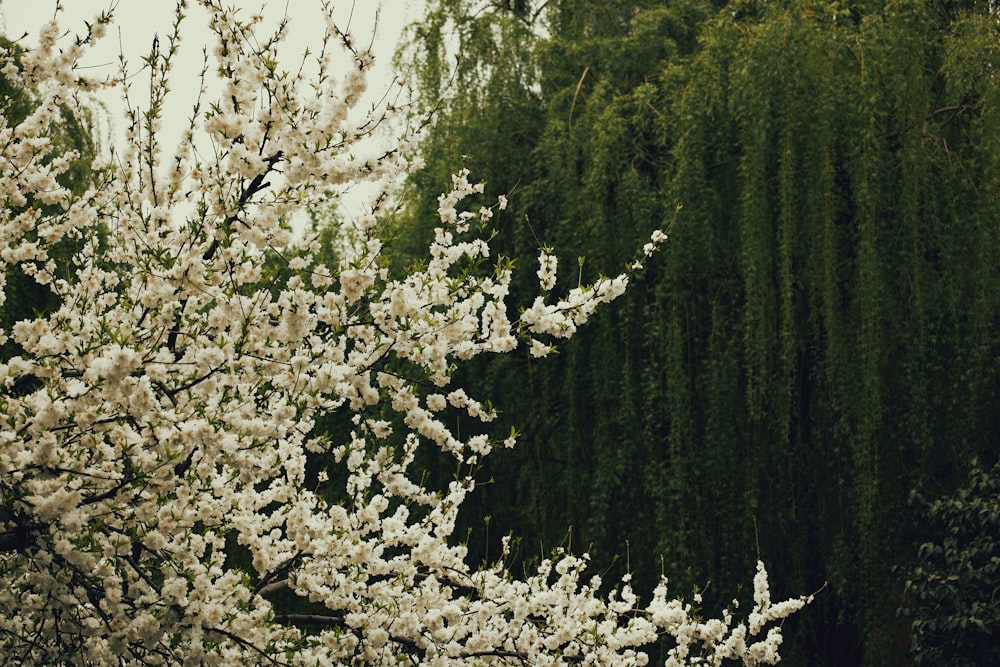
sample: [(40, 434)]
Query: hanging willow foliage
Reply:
[(819, 336)]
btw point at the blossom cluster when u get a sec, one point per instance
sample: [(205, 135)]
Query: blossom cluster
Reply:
[(171, 490)]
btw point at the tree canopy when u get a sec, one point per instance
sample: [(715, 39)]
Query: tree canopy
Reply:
[(819, 335)]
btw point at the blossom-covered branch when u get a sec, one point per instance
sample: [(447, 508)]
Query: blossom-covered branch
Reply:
[(164, 483)]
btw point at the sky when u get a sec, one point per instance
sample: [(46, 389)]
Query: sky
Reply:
[(137, 22)]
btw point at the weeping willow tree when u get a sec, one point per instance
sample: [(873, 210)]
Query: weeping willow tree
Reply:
[(818, 339)]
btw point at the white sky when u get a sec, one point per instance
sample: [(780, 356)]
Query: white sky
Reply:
[(138, 21)]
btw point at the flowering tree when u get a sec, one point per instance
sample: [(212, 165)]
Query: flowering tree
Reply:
[(165, 494)]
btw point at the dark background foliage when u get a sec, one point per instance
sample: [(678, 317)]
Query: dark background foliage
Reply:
[(817, 339)]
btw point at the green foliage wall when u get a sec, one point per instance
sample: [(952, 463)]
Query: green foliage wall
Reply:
[(818, 337)]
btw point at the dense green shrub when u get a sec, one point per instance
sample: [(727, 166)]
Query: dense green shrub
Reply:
[(953, 589)]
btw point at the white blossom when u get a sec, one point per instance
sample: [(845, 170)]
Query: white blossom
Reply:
[(547, 264), (163, 472)]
